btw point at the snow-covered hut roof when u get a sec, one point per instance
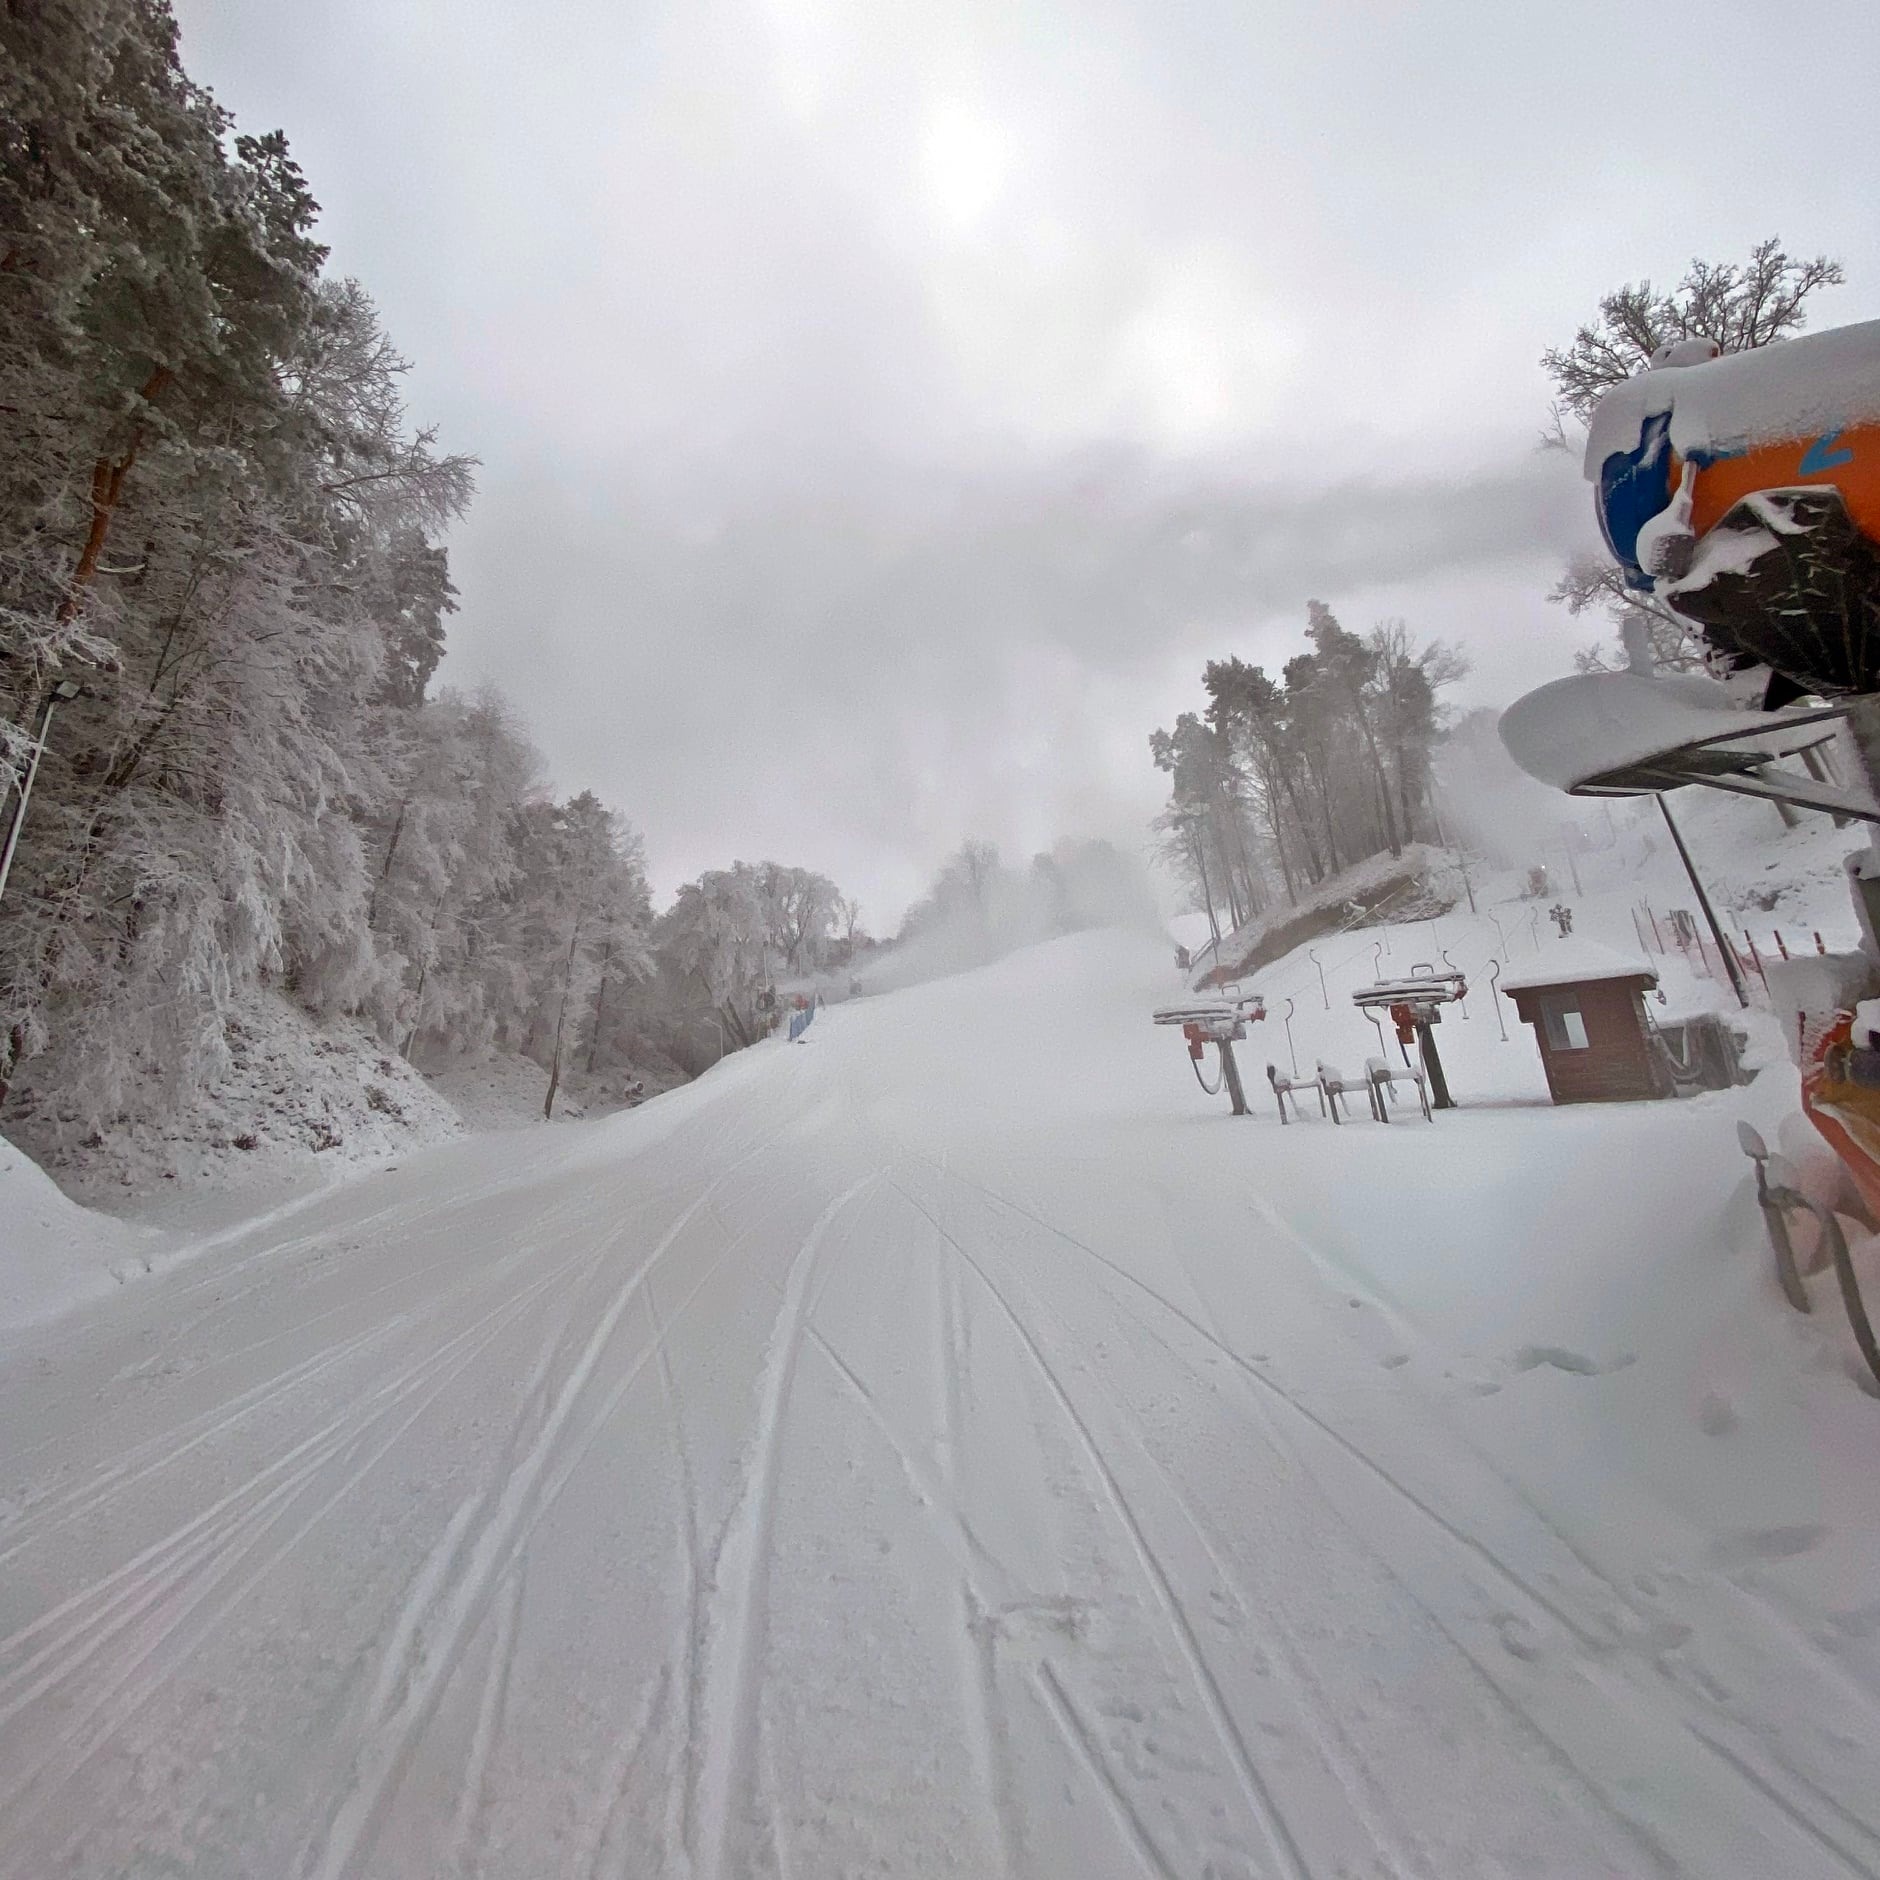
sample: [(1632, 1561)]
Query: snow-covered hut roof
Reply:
[(1576, 962), (1589, 734), (1797, 388)]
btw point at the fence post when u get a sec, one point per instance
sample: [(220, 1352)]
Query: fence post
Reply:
[(1755, 959)]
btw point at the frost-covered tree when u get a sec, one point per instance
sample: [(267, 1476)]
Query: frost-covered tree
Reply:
[(212, 509), (216, 511), (1740, 305), (1300, 776), (581, 916), (442, 857), (798, 908), (713, 939)]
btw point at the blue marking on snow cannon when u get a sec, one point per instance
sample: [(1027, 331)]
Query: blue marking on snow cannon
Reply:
[(1821, 455), (1634, 486)]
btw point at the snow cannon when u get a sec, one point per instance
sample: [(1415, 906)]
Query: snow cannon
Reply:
[(1222, 1023), (1743, 492)]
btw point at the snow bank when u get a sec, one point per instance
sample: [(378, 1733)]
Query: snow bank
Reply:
[(302, 1104), (53, 1253), (1420, 881)]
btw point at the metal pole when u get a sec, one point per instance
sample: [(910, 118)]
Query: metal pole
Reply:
[(26, 791), (1462, 862), (1433, 1068), (1462, 1002), (1816, 766), (1230, 1072), (1377, 1025), (1730, 965), (1290, 1052), (1312, 955), (1494, 980), (1573, 867)]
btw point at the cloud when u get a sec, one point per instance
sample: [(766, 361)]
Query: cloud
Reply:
[(939, 652), (885, 409)]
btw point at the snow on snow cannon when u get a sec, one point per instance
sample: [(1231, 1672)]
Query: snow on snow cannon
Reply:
[(1221, 1023), (1743, 491)]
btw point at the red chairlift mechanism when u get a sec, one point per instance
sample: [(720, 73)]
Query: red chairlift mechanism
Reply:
[(1415, 1004)]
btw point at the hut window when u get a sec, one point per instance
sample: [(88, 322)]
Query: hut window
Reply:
[(1566, 1028)]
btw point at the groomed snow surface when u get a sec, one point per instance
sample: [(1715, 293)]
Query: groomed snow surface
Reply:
[(953, 1445)]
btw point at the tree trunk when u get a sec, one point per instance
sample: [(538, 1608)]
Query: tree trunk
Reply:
[(1207, 890), (1275, 823), (1315, 866), (1383, 780), (600, 1007), (1406, 797), (734, 1022), (561, 1019), (391, 849), (107, 491), (424, 973), (1246, 860), (1229, 885), (1324, 787)]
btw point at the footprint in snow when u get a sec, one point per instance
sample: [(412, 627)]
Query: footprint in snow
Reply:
[(1715, 1416), (1857, 1622), (1774, 1543), (1517, 1637), (1531, 1357), (1027, 1627)]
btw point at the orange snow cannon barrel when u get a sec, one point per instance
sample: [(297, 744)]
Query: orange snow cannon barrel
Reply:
[(1743, 491)]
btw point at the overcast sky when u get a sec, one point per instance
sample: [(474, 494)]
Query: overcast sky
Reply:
[(886, 407)]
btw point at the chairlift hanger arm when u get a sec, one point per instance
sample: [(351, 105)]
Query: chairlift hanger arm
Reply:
[(1440, 989), (1784, 787)]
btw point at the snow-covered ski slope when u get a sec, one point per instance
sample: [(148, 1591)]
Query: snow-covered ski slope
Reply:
[(953, 1445)]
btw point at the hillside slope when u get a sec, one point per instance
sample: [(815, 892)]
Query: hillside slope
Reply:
[(954, 1445)]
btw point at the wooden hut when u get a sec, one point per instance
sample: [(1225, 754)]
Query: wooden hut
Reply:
[(1587, 1006)]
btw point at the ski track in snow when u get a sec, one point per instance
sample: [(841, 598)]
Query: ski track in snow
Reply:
[(1854, 1844), (1775, 1784), (734, 1667), (1284, 1847), (422, 1663), (1335, 1746), (502, 1508)]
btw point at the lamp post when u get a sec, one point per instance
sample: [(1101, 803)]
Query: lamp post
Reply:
[(61, 694)]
